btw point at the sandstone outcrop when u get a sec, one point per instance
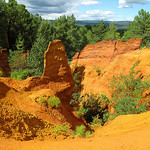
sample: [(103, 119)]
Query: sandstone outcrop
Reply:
[(112, 58), (4, 66), (56, 81), (102, 53)]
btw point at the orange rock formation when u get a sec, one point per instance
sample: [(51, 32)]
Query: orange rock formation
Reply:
[(4, 66), (112, 58), (56, 81)]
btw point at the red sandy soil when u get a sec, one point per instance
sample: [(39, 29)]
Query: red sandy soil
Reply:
[(130, 132)]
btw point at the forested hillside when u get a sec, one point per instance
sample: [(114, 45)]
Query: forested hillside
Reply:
[(119, 24), (21, 31)]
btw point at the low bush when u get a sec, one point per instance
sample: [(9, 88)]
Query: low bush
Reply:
[(20, 74), (61, 129), (81, 131), (43, 101), (97, 122), (127, 93), (1, 73), (91, 105), (54, 102)]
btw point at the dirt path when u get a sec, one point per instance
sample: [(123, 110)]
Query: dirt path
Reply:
[(136, 140), (129, 132)]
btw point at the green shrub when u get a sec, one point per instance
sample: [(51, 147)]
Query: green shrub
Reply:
[(20, 74), (127, 93), (98, 70), (61, 128), (97, 122), (1, 73), (43, 101), (91, 105), (54, 102), (81, 131), (17, 60)]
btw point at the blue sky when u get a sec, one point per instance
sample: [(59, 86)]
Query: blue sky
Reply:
[(109, 10)]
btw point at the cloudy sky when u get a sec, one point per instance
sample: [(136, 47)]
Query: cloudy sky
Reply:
[(113, 10)]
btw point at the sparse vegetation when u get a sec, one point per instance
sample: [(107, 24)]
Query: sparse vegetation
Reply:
[(127, 93), (54, 102), (43, 101), (97, 122), (20, 74), (81, 132), (1, 73), (61, 129), (98, 70), (127, 98)]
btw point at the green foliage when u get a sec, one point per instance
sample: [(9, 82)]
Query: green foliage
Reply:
[(112, 33), (43, 101), (17, 60), (66, 29), (97, 33), (77, 94), (98, 70), (20, 74), (20, 43), (90, 105), (35, 59), (93, 104), (139, 28), (97, 122), (61, 129), (127, 93), (54, 102), (3, 24), (1, 73), (81, 132)]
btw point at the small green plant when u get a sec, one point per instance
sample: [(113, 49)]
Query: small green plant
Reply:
[(20, 74), (81, 132), (61, 129), (98, 70), (43, 101), (1, 73), (97, 122), (54, 102)]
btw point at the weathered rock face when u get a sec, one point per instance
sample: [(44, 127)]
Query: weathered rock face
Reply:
[(119, 59), (56, 81), (55, 63), (4, 66), (101, 54), (95, 55), (124, 47)]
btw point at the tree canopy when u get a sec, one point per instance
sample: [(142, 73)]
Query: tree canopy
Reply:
[(139, 28)]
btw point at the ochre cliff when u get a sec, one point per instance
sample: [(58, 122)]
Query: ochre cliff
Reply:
[(4, 66), (112, 58), (24, 96)]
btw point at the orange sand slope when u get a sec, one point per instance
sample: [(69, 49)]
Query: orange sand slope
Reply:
[(130, 132)]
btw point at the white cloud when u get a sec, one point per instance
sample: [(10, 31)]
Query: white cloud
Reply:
[(96, 15), (129, 3), (130, 19), (51, 9), (90, 2)]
